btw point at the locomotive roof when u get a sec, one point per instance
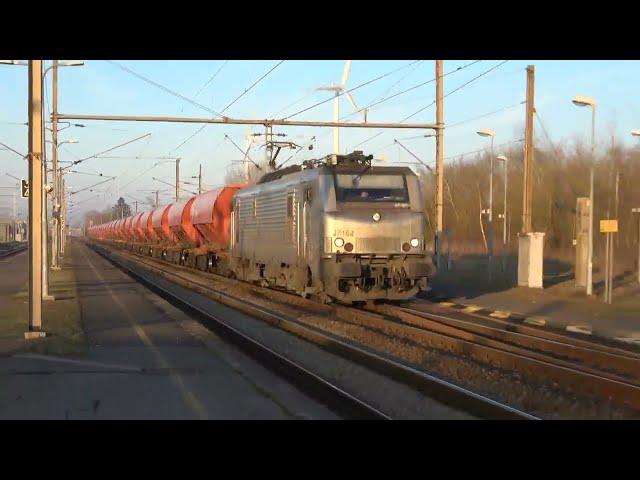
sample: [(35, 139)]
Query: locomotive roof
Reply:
[(340, 168), (355, 162)]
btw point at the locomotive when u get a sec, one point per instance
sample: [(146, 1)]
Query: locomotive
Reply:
[(338, 228)]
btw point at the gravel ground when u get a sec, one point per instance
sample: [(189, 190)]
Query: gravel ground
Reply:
[(540, 398)]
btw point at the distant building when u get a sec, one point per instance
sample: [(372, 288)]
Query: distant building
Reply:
[(13, 231)]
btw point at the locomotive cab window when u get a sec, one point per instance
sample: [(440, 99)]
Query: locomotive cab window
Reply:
[(371, 188)]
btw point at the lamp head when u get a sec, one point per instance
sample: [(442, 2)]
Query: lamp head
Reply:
[(485, 132), (582, 101)]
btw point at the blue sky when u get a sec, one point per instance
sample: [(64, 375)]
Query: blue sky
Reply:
[(100, 87)]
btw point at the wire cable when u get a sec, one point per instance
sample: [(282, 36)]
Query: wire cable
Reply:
[(76, 162), (343, 92), (162, 87), (13, 150), (253, 85), (202, 127), (211, 79), (433, 103), (375, 103), (462, 67)]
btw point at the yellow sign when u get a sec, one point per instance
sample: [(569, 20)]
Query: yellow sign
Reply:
[(608, 226)]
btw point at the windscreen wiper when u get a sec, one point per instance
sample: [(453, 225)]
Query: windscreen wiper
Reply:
[(357, 178)]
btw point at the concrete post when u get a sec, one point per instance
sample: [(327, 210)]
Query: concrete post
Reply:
[(36, 192)]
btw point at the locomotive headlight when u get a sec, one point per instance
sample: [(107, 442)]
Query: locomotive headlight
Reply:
[(415, 242), (376, 217), (338, 242)]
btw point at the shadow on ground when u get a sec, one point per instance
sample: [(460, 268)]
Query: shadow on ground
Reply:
[(473, 275)]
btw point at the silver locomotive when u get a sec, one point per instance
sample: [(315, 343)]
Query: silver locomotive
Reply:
[(339, 228)]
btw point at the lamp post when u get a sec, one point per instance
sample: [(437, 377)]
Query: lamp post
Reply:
[(505, 160), (485, 132), (582, 101), (55, 188), (636, 133), (58, 241)]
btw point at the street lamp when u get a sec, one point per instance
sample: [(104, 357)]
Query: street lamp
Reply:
[(504, 159), (66, 141), (582, 101), (485, 132)]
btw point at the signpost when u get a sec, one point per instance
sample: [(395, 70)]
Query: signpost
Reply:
[(608, 227)]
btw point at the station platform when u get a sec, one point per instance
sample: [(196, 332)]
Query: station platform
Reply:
[(115, 350), (558, 305)]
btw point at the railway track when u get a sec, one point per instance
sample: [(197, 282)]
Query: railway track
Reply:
[(589, 369), (9, 250), (438, 389)]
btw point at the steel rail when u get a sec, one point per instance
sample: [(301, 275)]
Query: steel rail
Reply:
[(13, 251), (564, 348), (515, 324), (440, 390), (578, 378), (314, 385)]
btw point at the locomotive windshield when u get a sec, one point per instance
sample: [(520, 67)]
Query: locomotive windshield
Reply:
[(365, 187)]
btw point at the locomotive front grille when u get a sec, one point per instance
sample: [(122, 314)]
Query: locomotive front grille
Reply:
[(367, 245), (377, 244)]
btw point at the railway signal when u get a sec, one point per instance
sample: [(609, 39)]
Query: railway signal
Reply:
[(25, 189)]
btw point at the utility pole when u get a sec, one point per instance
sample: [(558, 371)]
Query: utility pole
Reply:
[(13, 216), (36, 191), (200, 180), (439, 161), (491, 206), (617, 200), (45, 217), (157, 198), (56, 236), (136, 206), (177, 179), (528, 153), (591, 199), (530, 244), (63, 217)]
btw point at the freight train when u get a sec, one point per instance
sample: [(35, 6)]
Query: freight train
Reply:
[(337, 228)]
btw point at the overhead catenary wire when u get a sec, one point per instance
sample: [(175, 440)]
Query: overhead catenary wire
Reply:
[(162, 87), (469, 120), (211, 78), (139, 176), (457, 89), (13, 150), (464, 154), (246, 154), (397, 82), (248, 89), (76, 162), (91, 186), (378, 102), (202, 127), (343, 92), (313, 139), (445, 96)]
